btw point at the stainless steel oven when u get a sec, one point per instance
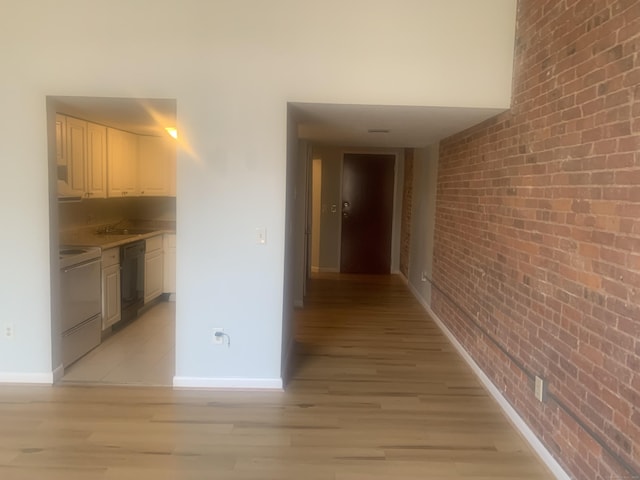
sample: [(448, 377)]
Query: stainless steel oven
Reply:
[(81, 301)]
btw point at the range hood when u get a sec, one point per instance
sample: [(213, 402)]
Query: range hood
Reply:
[(65, 194)]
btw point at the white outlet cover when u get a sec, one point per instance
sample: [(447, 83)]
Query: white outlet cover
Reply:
[(7, 330), (217, 340), (539, 389)]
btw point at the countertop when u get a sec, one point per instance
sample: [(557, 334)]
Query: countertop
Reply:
[(88, 237)]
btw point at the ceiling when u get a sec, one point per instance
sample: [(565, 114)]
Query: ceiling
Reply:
[(324, 124), (383, 126)]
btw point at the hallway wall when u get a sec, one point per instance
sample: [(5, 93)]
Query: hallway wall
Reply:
[(405, 218), (423, 206), (537, 240)]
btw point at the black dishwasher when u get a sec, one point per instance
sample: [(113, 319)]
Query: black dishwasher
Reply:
[(131, 279)]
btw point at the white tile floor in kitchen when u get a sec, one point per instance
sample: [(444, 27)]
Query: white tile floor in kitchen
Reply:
[(142, 353)]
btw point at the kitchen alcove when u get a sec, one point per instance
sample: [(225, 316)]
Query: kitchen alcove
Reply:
[(112, 162)]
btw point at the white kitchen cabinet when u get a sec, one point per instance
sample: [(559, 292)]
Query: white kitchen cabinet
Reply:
[(96, 163), (156, 157), (61, 140), (170, 265), (75, 150), (110, 287), (153, 268), (81, 157), (122, 163)]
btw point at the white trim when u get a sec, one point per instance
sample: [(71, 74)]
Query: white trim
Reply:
[(513, 416), (32, 378), (287, 363), (58, 373), (228, 383)]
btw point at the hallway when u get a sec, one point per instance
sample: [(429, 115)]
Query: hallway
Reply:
[(397, 396), (378, 393)]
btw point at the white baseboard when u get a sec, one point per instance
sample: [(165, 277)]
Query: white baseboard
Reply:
[(27, 378), (515, 419), (228, 383)]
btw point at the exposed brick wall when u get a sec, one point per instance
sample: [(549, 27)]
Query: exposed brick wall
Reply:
[(405, 226), (537, 242)]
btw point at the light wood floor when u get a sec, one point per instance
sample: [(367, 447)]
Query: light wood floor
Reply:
[(377, 394)]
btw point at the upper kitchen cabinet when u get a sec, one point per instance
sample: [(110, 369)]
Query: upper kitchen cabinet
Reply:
[(157, 158), (61, 140), (96, 164), (122, 163), (94, 161), (81, 158), (75, 154)]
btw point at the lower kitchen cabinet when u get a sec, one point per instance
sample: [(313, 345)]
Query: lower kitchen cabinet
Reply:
[(153, 268), (110, 287)]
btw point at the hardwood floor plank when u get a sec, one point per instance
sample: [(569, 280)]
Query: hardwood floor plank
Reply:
[(377, 393)]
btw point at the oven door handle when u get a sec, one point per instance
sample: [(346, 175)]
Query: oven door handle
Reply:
[(81, 265)]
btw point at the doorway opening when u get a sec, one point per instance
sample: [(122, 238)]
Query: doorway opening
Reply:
[(316, 209), (367, 213), (112, 171)]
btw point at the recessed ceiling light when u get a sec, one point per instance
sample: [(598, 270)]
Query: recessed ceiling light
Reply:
[(172, 131), (378, 130)]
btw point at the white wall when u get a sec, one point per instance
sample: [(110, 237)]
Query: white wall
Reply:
[(425, 179), (232, 66)]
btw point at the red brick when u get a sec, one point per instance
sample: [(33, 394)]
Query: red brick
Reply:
[(568, 234), (624, 177), (605, 146), (629, 144), (621, 160)]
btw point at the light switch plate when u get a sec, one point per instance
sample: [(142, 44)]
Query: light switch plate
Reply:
[(261, 236)]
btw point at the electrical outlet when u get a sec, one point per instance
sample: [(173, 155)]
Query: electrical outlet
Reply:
[(424, 277), (8, 330), (217, 339), (540, 387)]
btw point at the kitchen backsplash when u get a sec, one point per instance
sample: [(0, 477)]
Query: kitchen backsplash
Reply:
[(101, 211)]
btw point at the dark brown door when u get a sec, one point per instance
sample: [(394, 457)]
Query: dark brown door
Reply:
[(367, 213)]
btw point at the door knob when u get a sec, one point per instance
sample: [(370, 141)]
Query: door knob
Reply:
[(346, 204)]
